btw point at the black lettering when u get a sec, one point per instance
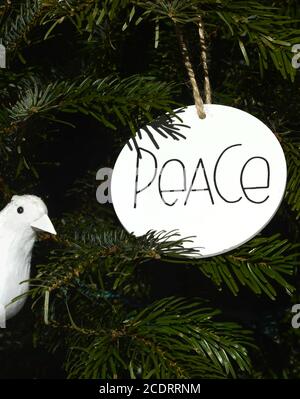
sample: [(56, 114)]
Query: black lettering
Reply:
[(171, 191), (200, 162), (256, 187), (137, 191), (215, 176)]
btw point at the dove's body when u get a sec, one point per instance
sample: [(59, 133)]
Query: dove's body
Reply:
[(17, 237), (15, 259)]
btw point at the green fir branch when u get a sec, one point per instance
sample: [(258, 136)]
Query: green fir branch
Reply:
[(261, 265), (173, 338)]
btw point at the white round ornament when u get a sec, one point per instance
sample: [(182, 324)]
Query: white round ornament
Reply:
[(220, 179)]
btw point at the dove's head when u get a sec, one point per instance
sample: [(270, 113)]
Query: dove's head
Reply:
[(28, 212)]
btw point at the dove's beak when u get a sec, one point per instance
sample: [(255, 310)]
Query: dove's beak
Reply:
[(44, 224)]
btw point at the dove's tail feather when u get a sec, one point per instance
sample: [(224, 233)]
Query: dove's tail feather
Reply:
[(2, 316)]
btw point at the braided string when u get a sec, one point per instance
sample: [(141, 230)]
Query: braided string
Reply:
[(207, 88), (187, 62)]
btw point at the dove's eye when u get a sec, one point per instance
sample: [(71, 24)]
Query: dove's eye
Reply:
[(20, 209)]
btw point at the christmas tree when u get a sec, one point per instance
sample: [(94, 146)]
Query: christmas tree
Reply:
[(80, 78)]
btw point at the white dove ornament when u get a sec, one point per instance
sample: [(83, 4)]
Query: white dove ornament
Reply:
[(19, 222)]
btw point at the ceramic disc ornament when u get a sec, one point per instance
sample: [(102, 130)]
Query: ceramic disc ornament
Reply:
[(220, 179)]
